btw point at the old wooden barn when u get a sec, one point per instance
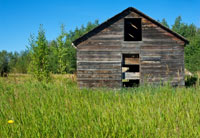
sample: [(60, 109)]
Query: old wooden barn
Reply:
[(130, 49)]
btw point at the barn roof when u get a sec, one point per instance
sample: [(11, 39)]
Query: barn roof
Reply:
[(119, 16)]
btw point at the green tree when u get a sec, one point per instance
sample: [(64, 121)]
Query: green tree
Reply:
[(53, 56), (164, 22), (62, 51), (22, 63), (4, 63), (39, 65), (192, 54), (177, 24)]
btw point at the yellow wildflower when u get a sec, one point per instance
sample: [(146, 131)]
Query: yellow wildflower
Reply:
[(10, 121)]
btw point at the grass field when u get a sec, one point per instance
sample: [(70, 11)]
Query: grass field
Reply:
[(60, 109)]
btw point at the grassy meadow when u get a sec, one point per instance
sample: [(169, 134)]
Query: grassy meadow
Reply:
[(61, 109)]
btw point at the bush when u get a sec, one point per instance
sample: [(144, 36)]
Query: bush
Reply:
[(191, 80)]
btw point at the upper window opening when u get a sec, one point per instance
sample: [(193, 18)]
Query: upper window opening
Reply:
[(132, 29)]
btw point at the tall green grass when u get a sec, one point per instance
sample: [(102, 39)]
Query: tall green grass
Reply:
[(60, 109)]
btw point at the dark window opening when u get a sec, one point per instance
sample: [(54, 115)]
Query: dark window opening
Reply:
[(132, 29)]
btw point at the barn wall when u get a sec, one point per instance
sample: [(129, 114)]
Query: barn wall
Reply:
[(99, 57), (99, 60)]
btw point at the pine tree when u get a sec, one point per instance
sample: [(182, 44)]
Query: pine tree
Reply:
[(164, 22), (177, 25)]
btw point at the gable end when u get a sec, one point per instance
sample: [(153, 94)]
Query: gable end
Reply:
[(120, 16)]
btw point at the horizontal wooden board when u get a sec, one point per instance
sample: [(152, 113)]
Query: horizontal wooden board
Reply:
[(162, 50), (103, 46), (150, 58), (160, 47), (173, 83), (100, 42), (99, 56), (130, 51), (164, 80), (144, 52), (98, 53), (99, 63), (99, 71), (162, 67), (131, 61), (100, 83), (131, 75), (99, 59), (115, 78), (161, 72), (98, 76)]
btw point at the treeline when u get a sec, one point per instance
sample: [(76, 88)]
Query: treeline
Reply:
[(59, 56), (192, 51)]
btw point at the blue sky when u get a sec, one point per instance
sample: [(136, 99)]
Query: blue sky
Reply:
[(20, 18)]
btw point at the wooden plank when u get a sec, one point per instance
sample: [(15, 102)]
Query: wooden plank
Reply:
[(99, 63), (110, 66), (100, 83), (99, 59), (175, 83), (161, 47), (100, 76), (132, 44), (164, 80), (158, 72), (99, 71), (150, 62), (98, 53), (107, 36), (131, 75), (131, 61), (130, 51), (146, 64), (100, 43), (100, 56), (161, 43), (164, 39), (162, 50), (161, 67), (124, 69), (115, 78), (150, 58), (103, 50), (101, 46)]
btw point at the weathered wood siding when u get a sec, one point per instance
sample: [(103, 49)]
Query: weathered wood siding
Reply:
[(99, 57)]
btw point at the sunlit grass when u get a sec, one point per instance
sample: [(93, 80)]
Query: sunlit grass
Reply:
[(60, 109)]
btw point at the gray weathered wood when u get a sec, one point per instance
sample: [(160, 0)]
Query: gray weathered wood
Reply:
[(99, 58)]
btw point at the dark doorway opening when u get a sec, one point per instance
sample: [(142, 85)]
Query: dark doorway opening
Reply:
[(130, 70)]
